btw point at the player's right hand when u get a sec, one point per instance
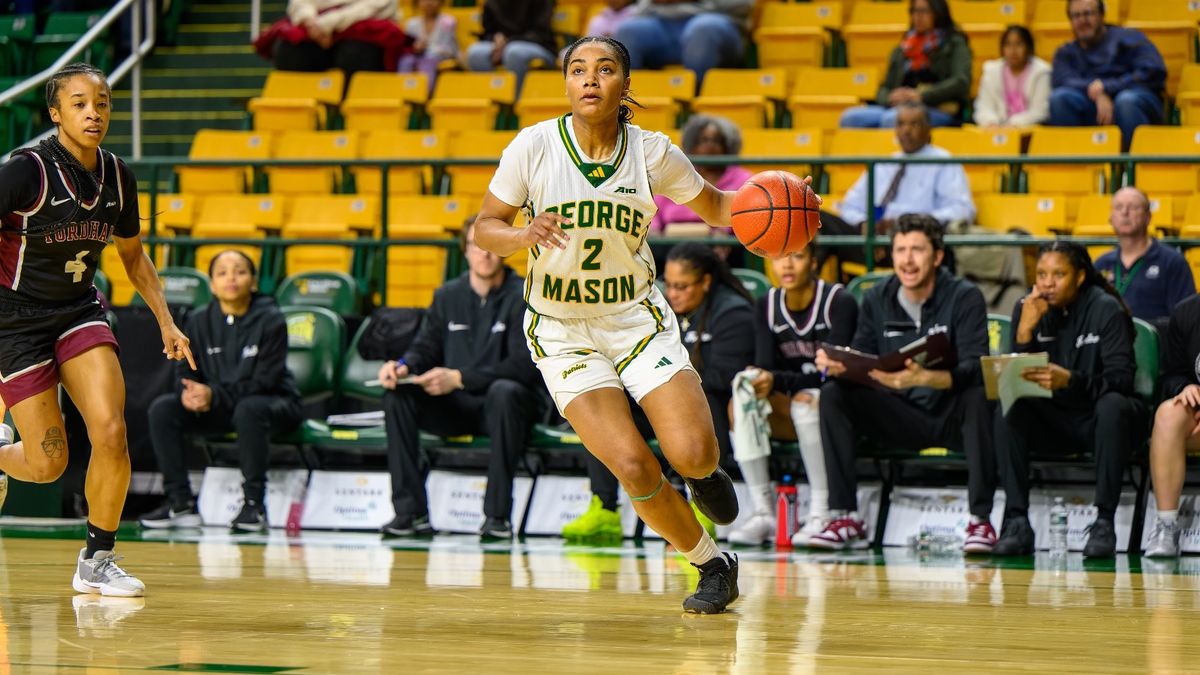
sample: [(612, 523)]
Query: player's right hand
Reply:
[(391, 371), (546, 230)]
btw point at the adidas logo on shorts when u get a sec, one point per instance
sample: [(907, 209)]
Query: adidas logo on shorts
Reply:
[(664, 361)]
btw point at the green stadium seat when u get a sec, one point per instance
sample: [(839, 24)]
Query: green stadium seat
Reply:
[(183, 286), (1146, 354), (102, 283), (357, 371), (62, 30), (315, 339), (999, 328), (859, 285), (16, 36), (20, 116), (335, 291), (756, 283)]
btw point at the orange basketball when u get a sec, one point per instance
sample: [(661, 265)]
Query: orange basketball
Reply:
[(775, 213)]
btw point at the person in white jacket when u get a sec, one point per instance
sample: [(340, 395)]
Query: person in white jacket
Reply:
[(1014, 90)]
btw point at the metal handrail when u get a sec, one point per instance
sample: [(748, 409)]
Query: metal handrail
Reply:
[(133, 63)]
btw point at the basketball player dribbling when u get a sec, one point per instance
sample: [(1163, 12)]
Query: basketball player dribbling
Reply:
[(59, 204), (596, 325)]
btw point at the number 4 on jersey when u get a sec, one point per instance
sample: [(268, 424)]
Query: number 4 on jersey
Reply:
[(76, 267)]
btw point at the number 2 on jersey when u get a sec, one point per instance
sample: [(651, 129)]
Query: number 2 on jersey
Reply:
[(595, 246), (76, 267)]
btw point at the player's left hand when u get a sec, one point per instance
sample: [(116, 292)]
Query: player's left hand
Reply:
[(176, 344), (808, 182), (1052, 378), (913, 375), (439, 381)]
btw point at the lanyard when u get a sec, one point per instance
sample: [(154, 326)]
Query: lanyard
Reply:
[(1123, 284)]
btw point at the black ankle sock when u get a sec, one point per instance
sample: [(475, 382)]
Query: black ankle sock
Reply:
[(1106, 514), (608, 502), (99, 540)]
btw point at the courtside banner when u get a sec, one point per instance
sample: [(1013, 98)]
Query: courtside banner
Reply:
[(557, 500), (935, 511), (1080, 514), (221, 494), (348, 500), (1189, 524), (456, 500)]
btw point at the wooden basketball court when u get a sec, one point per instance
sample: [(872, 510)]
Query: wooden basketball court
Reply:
[(349, 603)]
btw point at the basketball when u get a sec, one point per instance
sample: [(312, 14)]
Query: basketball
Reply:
[(775, 213)]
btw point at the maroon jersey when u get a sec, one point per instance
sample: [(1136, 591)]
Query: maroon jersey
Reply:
[(52, 231)]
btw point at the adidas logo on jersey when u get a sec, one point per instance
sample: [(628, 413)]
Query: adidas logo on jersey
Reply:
[(626, 191), (598, 172), (664, 361)]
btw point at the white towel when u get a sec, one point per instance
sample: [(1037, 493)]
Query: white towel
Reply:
[(751, 433)]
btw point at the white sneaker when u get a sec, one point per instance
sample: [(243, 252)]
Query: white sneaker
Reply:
[(1164, 540), (812, 527), (100, 574), (756, 532)]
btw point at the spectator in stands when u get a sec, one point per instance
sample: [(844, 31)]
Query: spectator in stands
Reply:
[(1175, 430), (1150, 277), (916, 407), (1076, 316), (701, 35), (940, 190), (714, 313), (608, 20), (517, 34), (241, 383), (931, 66), (434, 35), (789, 323), (1014, 90), (350, 35), (1107, 75), (466, 372), (704, 135)]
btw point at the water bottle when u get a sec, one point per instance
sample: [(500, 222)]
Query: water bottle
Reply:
[(785, 512), (1058, 529)]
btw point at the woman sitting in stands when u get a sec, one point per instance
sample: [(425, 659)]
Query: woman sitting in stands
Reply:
[(350, 35), (1014, 90)]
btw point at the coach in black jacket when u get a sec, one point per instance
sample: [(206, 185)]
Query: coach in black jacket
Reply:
[(241, 383), (916, 407), (471, 374), (1078, 318)]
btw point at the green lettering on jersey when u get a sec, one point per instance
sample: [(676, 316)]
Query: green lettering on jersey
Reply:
[(604, 212), (591, 291), (624, 216), (585, 215), (572, 294), (552, 288)]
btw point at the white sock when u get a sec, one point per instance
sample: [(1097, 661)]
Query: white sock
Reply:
[(705, 550), (1168, 517), (806, 421), (975, 520), (758, 479)]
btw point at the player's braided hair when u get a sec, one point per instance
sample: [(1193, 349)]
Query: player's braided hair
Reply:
[(87, 186), (624, 113), (1077, 256), (704, 260)]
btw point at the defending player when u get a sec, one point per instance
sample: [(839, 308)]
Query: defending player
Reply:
[(60, 202), (595, 322)]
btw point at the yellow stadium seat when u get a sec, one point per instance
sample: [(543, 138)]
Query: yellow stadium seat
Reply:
[(798, 143), (1188, 98), (1050, 27), (984, 22), (567, 23), (978, 142), (1073, 180), (470, 101), (415, 271), (122, 288), (873, 31), (1171, 26), (470, 24), (1095, 210), (327, 217), (472, 181), (222, 144), (293, 100), (236, 216), (402, 180), (1191, 219), (748, 98), (428, 215), (1037, 214), (337, 146), (1179, 181), (173, 213), (795, 34), (857, 143), (543, 95), (1192, 255), (383, 100), (661, 94), (819, 95)]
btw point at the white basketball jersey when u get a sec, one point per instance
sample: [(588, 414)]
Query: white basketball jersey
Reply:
[(607, 266)]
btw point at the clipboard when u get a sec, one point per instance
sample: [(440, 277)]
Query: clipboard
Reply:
[(930, 351), (1002, 379)]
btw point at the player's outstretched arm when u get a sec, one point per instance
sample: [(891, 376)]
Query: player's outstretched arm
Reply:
[(713, 206), (145, 279), (494, 231)]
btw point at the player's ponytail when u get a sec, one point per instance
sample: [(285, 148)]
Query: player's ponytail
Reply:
[(624, 112)]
